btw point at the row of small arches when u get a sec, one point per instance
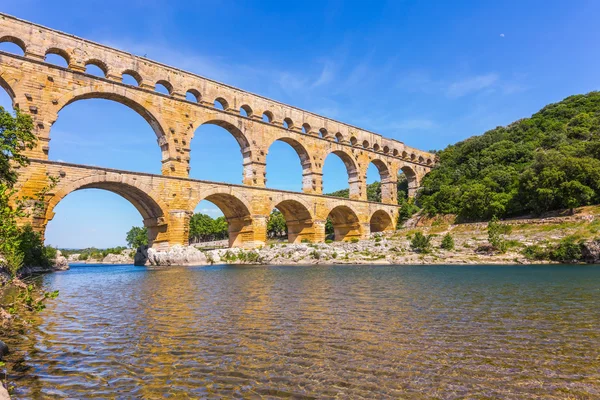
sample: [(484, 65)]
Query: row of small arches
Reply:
[(99, 68)]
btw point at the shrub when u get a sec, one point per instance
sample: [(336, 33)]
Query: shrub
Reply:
[(305, 241), (568, 250), (354, 240), (535, 252), (496, 232), (447, 242), (328, 241), (420, 243)]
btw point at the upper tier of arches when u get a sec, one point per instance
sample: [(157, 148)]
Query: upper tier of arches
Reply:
[(116, 65)]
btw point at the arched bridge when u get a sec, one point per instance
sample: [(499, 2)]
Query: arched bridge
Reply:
[(167, 201)]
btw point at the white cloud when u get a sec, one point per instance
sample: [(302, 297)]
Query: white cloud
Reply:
[(502, 35), (471, 85)]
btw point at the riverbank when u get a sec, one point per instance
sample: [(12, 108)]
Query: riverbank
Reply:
[(527, 241)]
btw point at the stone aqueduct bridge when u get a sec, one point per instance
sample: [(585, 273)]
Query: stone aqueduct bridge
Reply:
[(167, 201)]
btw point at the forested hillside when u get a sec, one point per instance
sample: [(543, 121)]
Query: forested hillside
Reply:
[(547, 162)]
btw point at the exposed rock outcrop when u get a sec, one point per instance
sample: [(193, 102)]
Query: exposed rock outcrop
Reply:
[(177, 255), (591, 252), (60, 262)]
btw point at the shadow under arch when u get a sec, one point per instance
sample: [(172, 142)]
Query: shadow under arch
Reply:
[(298, 219), (411, 180), (236, 210), (305, 160), (351, 170), (8, 89), (381, 221), (345, 223), (388, 188), (153, 211)]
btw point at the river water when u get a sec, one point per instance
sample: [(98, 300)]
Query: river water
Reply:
[(342, 332)]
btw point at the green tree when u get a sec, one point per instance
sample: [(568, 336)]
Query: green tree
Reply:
[(421, 243), (137, 237), (276, 226), (447, 242), (547, 162), (496, 232)]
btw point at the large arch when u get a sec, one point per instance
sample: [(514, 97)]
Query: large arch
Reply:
[(153, 211), (351, 170), (381, 221), (345, 223), (305, 161), (225, 173), (122, 96), (236, 210), (298, 219), (107, 131)]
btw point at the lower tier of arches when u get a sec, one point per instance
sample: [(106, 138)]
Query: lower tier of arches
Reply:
[(166, 205)]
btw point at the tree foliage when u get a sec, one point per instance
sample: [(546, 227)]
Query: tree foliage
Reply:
[(276, 226), (447, 242), (421, 243), (203, 228), (547, 162), (19, 246), (137, 237)]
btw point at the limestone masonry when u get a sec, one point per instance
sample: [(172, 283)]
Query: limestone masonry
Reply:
[(167, 201)]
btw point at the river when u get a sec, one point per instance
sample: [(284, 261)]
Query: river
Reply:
[(346, 332)]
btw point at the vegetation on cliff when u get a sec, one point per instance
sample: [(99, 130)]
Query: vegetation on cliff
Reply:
[(547, 162), (19, 246)]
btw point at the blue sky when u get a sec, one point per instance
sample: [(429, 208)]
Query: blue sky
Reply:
[(426, 73)]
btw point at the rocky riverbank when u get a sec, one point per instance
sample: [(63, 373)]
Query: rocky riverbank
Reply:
[(529, 242)]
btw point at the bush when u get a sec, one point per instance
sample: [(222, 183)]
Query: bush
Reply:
[(496, 232), (535, 252), (328, 241), (568, 250), (305, 241), (447, 242), (354, 240), (420, 243)]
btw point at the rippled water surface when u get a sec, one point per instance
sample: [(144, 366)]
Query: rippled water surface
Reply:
[(316, 332)]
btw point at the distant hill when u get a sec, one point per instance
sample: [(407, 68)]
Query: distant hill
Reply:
[(547, 162)]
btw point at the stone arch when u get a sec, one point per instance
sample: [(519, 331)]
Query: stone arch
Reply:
[(60, 52), (154, 212), (120, 95), (351, 170), (339, 137), (305, 161), (412, 179), (388, 185), (98, 63), (166, 84), (125, 97), (381, 221), (14, 40), (196, 94), (134, 74), (236, 209), (346, 224), (4, 85), (268, 115), (251, 173), (247, 109), (288, 123), (298, 219), (224, 103)]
